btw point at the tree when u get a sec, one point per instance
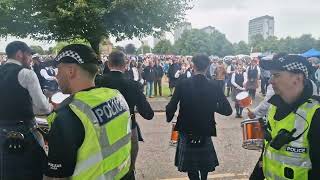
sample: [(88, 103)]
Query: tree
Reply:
[(305, 42), (197, 41), (192, 42), (241, 48), (144, 49), (61, 44), (120, 48), (37, 49), (270, 44), (163, 47), (256, 43), (130, 49), (90, 20)]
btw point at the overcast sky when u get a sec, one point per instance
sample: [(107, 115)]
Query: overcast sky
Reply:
[(231, 17)]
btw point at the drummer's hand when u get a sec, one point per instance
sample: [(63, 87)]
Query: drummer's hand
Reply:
[(251, 115)]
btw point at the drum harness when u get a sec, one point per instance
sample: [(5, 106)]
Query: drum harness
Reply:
[(15, 140)]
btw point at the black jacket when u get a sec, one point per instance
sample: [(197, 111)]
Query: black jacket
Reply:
[(199, 99), (132, 92), (173, 68), (149, 74), (159, 71)]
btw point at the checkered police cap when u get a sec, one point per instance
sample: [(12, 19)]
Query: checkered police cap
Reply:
[(291, 63), (78, 54)]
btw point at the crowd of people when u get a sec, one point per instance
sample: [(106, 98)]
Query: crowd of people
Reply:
[(104, 96)]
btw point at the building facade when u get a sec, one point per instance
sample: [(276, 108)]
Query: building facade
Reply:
[(263, 25)]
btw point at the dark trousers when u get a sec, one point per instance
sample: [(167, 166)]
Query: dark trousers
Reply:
[(264, 85), (157, 83), (27, 165), (195, 175), (221, 84), (252, 93), (238, 109)]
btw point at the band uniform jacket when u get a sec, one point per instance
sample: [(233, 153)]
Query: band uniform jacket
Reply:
[(199, 99), (132, 92)]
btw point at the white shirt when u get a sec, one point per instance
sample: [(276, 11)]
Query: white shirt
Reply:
[(29, 80), (135, 74), (233, 80), (179, 72), (262, 109), (258, 69), (46, 76)]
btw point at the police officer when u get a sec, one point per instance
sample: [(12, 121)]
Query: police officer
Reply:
[(293, 127), (133, 93), (90, 135), (21, 98)]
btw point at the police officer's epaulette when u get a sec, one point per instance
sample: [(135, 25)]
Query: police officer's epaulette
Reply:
[(65, 102)]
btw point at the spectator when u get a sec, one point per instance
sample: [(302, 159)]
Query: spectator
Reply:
[(149, 76), (158, 78), (220, 74), (230, 71), (253, 74), (183, 73), (173, 68)]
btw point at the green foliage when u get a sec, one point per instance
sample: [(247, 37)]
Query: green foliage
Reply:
[(256, 42), (163, 47), (241, 48), (144, 49), (130, 49), (37, 49), (63, 20), (119, 48), (197, 41), (61, 44)]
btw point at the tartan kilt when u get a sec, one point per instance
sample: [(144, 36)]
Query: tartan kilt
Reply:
[(202, 158)]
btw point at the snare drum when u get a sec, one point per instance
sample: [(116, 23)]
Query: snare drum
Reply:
[(174, 134), (58, 98), (44, 128), (244, 99), (252, 131)]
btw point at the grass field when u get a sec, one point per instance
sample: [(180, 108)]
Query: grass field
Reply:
[(165, 87)]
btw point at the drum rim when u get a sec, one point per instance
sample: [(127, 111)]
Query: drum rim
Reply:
[(243, 92), (56, 96), (247, 121)]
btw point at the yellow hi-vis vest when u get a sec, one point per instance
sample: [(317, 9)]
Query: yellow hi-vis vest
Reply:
[(293, 157), (105, 151)]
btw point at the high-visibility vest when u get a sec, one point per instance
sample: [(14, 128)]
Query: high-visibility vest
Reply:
[(105, 151), (292, 159)]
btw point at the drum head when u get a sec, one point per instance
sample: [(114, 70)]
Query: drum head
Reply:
[(242, 95), (41, 121), (58, 97)]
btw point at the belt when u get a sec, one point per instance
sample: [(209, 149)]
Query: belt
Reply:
[(31, 124)]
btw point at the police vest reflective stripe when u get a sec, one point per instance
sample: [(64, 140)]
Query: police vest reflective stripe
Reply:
[(105, 151), (294, 155)]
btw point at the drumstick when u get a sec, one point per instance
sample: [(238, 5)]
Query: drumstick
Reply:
[(249, 110)]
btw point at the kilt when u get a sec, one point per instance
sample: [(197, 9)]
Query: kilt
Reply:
[(202, 158)]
